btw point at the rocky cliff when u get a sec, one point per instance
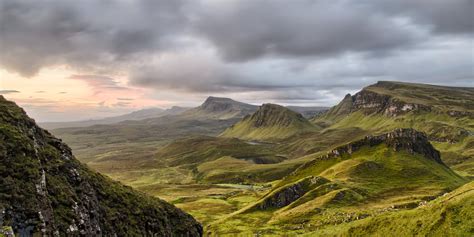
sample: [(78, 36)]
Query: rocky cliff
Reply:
[(402, 139), (44, 190), (395, 98)]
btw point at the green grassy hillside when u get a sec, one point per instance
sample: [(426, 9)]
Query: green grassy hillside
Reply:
[(272, 170), (358, 180), (445, 114), (270, 122), (44, 190), (448, 215)]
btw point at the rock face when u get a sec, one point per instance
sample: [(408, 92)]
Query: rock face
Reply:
[(395, 98), (288, 194), (44, 190), (406, 139), (371, 102)]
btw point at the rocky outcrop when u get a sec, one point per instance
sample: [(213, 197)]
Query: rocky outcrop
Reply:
[(44, 190), (394, 99), (371, 102), (288, 194), (406, 139)]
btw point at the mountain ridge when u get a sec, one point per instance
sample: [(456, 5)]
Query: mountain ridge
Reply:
[(398, 98), (220, 108), (135, 115)]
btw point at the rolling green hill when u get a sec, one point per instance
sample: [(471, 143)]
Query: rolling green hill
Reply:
[(448, 215), (393, 171), (445, 114), (270, 122), (44, 190)]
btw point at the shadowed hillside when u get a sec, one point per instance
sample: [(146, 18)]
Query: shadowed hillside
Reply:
[(44, 190)]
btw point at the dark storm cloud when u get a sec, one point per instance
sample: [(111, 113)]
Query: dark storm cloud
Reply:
[(281, 49), (84, 34), (247, 30), (447, 17), (251, 29)]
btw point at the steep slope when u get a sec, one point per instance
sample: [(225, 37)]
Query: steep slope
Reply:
[(396, 170), (445, 114), (269, 122), (398, 98), (448, 215), (136, 115), (220, 108), (44, 190)]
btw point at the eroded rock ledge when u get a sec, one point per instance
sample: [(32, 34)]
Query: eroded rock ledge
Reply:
[(406, 139)]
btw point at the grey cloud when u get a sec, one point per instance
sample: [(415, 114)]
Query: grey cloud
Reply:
[(446, 17), (5, 92), (85, 34), (278, 79), (286, 50), (246, 30), (252, 29), (125, 99), (95, 35)]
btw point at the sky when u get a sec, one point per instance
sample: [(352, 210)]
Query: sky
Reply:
[(73, 60)]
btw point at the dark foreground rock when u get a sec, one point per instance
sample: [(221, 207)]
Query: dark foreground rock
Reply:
[(44, 190)]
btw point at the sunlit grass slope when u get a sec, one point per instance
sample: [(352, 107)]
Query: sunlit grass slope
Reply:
[(344, 188), (445, 114), (449, 215)]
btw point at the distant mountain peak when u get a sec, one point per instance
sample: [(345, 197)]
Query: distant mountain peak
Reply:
[(218, 103), (221, 108), (211, 99)]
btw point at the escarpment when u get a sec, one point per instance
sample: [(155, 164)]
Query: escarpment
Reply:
[(372, 102), (402, 139), (44, 190), (286, 195), (406, 139)]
